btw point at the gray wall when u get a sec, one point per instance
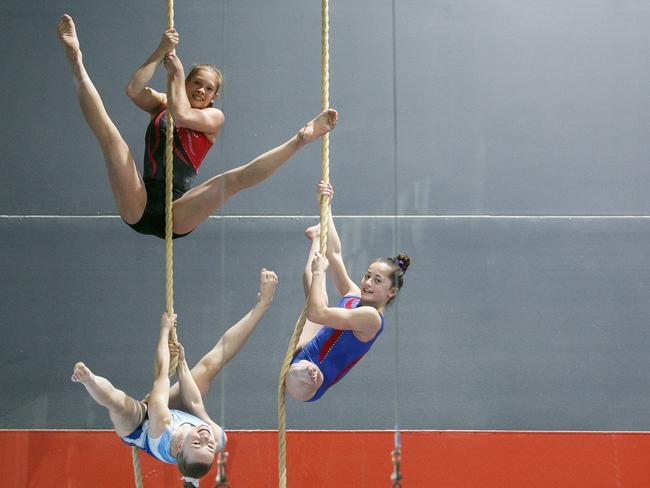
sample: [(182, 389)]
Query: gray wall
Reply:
[(519, 190)]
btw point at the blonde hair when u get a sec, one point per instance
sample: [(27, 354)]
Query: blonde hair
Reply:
[(191, 470)]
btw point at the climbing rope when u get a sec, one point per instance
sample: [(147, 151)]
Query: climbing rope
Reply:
[(169, 220), (324, 204), (137, 472), (169, 249), (325, 104)]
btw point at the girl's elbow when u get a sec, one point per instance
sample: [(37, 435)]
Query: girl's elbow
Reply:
[(181, 118), (130, 92), (135, 93), (316, 315)]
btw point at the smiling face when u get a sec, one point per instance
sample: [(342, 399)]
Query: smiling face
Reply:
[(199, 445), (201, 87), (376, 285)]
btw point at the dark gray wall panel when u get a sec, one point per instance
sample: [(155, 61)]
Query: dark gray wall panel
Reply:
[(503, 323), (537, 324), (520, 108), (92, 290), (536, 107)]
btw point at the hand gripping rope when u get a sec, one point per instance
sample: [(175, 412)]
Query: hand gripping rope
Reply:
[(282, 454)]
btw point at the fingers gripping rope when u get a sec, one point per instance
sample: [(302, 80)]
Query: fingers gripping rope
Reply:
[(324, 220)]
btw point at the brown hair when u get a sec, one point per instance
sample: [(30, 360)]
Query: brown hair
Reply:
[(398, 265), (218, 77)]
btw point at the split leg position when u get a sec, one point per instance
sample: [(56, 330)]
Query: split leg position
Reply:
[(125, 179), (127, 414)]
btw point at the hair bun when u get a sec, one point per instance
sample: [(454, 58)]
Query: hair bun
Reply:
[(403, 261)]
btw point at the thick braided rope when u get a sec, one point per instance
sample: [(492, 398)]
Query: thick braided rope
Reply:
[(137, 472), (169, 249), (325, 101), (169, 218), (324, 219), (282, 412)]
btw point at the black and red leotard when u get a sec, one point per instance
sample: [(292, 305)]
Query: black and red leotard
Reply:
[(190, 148)]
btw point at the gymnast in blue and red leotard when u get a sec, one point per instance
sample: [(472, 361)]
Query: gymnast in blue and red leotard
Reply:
[(334, 352), (334, 339), (140, 199)]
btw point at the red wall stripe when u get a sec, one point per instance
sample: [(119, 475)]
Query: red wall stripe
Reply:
[(354, 459)]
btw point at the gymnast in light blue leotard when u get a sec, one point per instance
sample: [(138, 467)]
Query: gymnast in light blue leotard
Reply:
[(173, 425)]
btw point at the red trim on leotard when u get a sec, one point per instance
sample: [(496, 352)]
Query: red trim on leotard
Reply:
[(328, 345), (151, 150), (335, 336)]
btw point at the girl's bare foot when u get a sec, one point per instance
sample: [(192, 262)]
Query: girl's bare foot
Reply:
[(312, 232), (313, 374), (319, 126), (68, 37), (81, 374), (303, 380), (307, 372)]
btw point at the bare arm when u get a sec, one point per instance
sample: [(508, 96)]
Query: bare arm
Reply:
[(342, 281), (137, 89), (189, 391), (159, 397), (236, 336), (191, 395), (207, 120), (364, 321)]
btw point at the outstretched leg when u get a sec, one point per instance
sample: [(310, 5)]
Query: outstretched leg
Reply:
[(230, 342), (125, 412), (200, 202), (126, 182)]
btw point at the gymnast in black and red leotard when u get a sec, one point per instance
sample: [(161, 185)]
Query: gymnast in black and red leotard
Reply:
[(140, 198)]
